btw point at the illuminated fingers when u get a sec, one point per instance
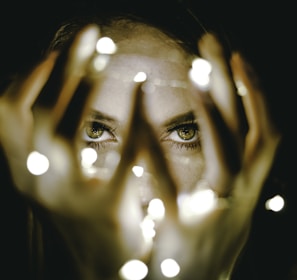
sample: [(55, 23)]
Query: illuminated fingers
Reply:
[(32, 84), (221, 85), (263, 138), (68, 71), (220, 123), (79, 57), (261, 126)]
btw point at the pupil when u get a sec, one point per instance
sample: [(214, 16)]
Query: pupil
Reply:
[(94, 131), (186, 134)]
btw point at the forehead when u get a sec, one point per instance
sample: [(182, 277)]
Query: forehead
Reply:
[(165, 90), (166, 64), (136, 37), (141, 47)]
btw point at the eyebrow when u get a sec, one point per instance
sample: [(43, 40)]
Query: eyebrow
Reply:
[(95, 115), (186, 117)]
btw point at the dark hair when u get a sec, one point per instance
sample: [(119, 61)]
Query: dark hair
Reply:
[(184, 31)]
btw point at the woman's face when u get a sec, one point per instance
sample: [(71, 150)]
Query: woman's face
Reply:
[(165, 105)]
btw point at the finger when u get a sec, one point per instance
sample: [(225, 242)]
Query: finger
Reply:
[(23, 93), (222, 89), (262, 134), (68, 71), (219, 147), (68, 124), (141, 140)]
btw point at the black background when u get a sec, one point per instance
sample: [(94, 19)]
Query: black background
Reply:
[(264, 31)]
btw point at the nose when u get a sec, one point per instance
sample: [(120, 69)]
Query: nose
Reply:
[(144, 177)]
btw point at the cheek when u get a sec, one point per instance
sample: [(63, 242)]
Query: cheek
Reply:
[(186, 171)]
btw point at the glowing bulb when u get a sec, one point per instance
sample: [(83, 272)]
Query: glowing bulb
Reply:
[(156, 209), (200, 72), (140, 77), (241, 89), (37, 163), (137, 170), (170, 268), (100, 62), (88, 157), (148, 228), (133, 270), (275, 204), (198, 203), (105, 45)]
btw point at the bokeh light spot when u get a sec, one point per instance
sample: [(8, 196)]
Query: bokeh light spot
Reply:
[(140, 77), (37, 163), (200, 72), (105, 45), (275, 203), (137, 170), (133, 270), (170, 268), (156, 209), (88, 157)]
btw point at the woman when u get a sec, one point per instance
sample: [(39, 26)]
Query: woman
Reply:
[(141, 105)]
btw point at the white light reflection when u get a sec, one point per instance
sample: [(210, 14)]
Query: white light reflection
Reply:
[(170, 268), (37, 163), (275, 203), (140, 77), (100, 62), (156, 212), (241, 88), (133, 270), (105, 45), (200, 72), (148, 228), (88, 157), (198, 203), (137, 170), (156, 209)]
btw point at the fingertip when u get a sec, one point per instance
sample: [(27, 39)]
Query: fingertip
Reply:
[(210, 45), (237, 61), (87, 40), (243, 71), (90, 31)]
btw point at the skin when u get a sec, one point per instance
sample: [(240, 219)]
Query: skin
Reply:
[(165, 106), (91, 212)]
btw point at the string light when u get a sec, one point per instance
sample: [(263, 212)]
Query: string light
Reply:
[(170, 268), (133, 270), (200, 73), (275, 203), (105, 45), (37, 163)]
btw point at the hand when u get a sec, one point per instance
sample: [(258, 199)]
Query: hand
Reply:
[(39, 113), (239, 145), (91, 212)]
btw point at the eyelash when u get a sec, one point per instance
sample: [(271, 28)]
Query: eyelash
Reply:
[(97, 144), (187, 144)]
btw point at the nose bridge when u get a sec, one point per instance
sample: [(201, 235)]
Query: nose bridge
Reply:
[(142, 179), (144, 154), (144, 151), (151, 177), (143, 159), (147, 150)]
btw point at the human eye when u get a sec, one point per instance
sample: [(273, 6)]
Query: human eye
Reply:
[(97, 135), (183, 136)]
